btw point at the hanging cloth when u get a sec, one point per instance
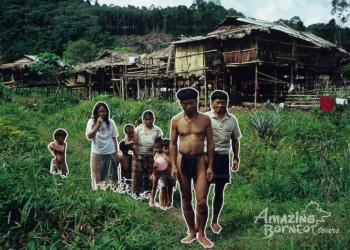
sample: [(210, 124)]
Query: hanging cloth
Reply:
[(327, 103)]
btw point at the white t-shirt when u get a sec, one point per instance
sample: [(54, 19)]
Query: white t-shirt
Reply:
[(145, 142), (102, 143)]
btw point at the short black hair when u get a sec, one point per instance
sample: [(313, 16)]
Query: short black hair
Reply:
[(128, 127), (147, 113), (122, 145), (158, 140), (165, 142), (60, 132), (187, 94), (219, 94)]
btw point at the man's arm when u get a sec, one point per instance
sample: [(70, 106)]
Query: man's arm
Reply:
[(235, 148), (59, 148), (115, 141), (174, 133), (210, 148)]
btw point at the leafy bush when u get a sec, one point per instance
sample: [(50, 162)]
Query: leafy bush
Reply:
[(265, 124)]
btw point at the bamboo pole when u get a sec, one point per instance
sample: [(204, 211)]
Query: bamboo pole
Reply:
[(138, 89), (103, 83), (175, 86), (224, 80), (256, 83), (114, 94), (152, 87), (122, 83), (231, 90)]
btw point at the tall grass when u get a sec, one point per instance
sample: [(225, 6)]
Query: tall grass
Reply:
[(308, 160)]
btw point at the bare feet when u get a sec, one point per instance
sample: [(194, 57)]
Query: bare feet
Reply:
[(191, 237), (162, 206), (205, 242), (151, 203), (216, 228), (169, 205), (195, 228)]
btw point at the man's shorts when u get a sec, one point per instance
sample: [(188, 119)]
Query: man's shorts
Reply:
[(221, 168), (168, 181), (63, 169)]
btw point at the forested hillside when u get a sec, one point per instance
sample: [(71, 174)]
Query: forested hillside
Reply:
[(35, 26)]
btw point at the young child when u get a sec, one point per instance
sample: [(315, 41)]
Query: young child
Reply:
[(125, 164), (58, 149), (169, 182), (131, 139), (156, 173)]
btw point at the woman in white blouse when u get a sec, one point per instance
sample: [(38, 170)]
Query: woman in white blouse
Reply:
[(104, 151), (141, 170)]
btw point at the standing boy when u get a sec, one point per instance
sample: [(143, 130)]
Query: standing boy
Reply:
[(58, 149)]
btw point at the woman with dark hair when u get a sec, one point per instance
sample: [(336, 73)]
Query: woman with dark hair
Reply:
[(147, 133), (104, 151)]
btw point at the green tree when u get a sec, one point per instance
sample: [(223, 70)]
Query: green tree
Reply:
[(233, 12), (80, 51), (124, 49), (48, 63), (294, 23), (340, 9)]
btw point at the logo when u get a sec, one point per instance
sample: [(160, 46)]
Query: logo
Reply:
[(309, 220)]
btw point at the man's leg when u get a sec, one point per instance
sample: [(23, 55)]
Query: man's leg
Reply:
[(217, 206), (201, 187), (186, 197)]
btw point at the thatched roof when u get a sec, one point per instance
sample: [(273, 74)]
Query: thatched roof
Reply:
[(111, 58), (18, 63), (162, 53)]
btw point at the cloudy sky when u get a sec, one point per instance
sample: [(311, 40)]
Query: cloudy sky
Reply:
[(310, 11)]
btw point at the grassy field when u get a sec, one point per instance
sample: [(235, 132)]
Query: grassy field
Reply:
[(305, 160)]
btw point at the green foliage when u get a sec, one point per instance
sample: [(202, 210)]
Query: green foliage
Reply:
[(48, 63), (345, 70), (80, 51), (265, 124), (40, 210), (294, 23), (124, 49)]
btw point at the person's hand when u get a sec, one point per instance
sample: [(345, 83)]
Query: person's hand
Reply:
[(156, 165), (210, 174), (117, 156), (175, 174), (235, 165), (51, 146), (99, 121)]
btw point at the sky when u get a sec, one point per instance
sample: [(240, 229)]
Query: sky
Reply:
[(309, 11)]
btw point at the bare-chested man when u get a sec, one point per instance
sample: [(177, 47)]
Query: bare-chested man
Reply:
[(188, 161)]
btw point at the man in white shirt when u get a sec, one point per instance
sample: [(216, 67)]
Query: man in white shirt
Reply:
[(225, 129)]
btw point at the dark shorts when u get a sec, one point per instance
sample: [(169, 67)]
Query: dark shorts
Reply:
[(168, 181), (221, 168), (188, 164)]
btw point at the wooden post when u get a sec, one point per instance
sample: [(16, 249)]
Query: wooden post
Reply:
[(138, 89), (175, 87), (256, 83), (22, 84), (231, 90), (158, 88), (103, 83), (122, 83), (90, 87), (145, 93), (216, 81), (307, 78), (275, 89), (152, 87), (126, 82), (114, 94), (224, 79)]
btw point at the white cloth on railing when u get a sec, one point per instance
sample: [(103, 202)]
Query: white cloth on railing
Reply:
[(339, 101)]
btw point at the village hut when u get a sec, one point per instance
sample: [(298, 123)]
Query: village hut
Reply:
[(248, 58)]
